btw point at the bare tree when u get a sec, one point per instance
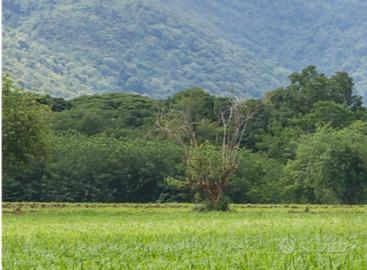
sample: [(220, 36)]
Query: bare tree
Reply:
[(209, 167)]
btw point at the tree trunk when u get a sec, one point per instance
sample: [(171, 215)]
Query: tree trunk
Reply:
[(218, 194), (215, 198)]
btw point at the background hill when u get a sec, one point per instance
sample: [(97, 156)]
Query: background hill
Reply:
[(69, 48)]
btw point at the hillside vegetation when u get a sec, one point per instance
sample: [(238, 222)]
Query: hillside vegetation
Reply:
[(157, 48), (72, 48), (291, 34)]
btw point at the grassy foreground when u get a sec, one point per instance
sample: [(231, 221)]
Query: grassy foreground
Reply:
[(128, 236)]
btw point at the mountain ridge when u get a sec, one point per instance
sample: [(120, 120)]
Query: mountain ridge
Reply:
[(156, 48)]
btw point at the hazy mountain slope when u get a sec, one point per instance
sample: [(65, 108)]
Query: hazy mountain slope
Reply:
[(69, 48), (158, 47), (331, 34)]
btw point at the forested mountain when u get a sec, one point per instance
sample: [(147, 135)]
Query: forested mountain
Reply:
[(329, 34), (159, 47), (71, 48)]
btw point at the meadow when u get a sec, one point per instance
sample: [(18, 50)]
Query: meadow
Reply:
[(173, 236)]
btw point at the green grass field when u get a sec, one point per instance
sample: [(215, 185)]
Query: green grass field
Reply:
[(129, 236)]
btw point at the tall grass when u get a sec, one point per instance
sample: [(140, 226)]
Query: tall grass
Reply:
[(93, 236)]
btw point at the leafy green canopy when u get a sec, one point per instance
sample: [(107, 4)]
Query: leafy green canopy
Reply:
[(306, 142), (25, 130), (330, 166)]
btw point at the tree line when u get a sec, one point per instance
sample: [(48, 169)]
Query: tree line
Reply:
[(304, 143)]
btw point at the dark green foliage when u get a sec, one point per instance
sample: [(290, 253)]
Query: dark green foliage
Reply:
[(326, 113), (68, 48), (26, 138), (305, 143), (55, 104), (25, 130), (145, 47), (310, 101), (331, 165), (98, 169), (257, 180), (291, 34), (196, 103), (115, 114)]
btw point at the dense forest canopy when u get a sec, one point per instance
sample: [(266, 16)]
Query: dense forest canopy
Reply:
[(135, 46), (160, 47), (306, 142)]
